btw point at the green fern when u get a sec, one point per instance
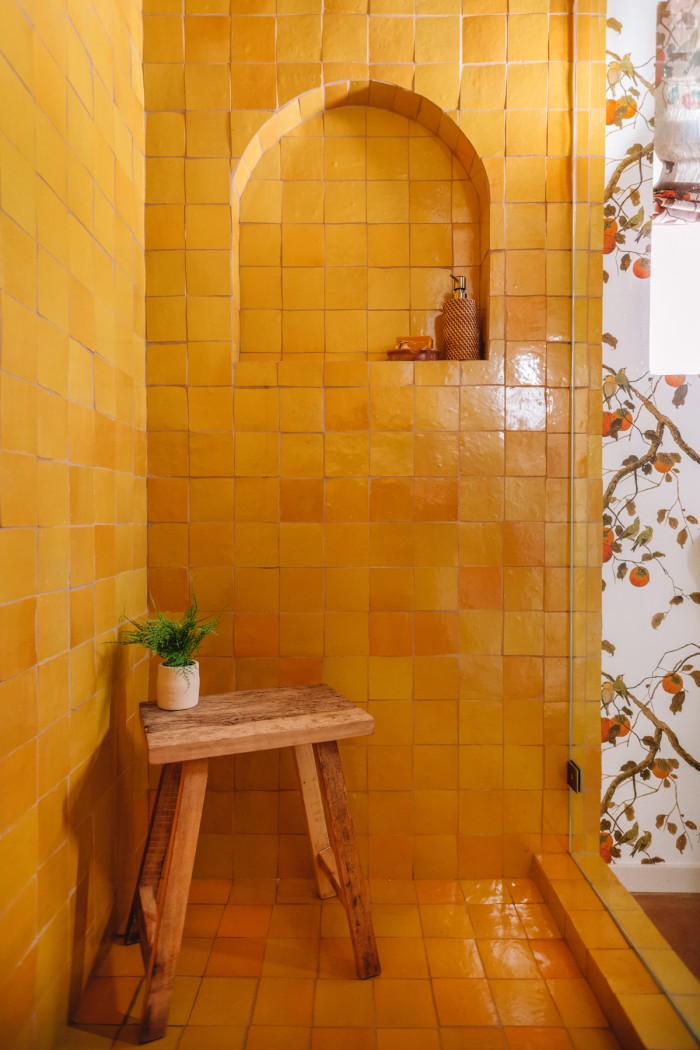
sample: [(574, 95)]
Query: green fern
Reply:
[(175, 641)]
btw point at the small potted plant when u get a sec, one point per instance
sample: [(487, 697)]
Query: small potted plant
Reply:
[(175, 642)]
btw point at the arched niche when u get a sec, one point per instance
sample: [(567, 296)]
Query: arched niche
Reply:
[(294, 296)]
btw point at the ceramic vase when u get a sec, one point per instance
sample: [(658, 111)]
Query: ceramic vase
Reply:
[(177, 688)]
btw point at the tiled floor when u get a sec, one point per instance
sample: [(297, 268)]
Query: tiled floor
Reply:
[(267, 966), (677, 918)]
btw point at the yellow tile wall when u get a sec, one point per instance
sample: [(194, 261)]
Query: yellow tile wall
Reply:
[(404, 535), (72, 491)]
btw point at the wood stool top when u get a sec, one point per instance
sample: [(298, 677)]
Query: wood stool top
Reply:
[(251, 720)]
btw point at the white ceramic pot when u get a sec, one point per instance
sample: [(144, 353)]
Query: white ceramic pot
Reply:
[(176, 688)]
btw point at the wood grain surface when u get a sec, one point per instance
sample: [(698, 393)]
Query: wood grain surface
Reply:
[(351, 886), (171, 901), (312, 799), (252, 720)]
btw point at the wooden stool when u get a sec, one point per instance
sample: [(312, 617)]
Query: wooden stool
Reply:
[(308, 718)]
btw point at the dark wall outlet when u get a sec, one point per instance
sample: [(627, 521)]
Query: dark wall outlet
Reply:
[(573, 776)]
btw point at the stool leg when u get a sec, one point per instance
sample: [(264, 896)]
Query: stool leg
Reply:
[(156, 847), (351, 885), (172, 899), (315, 817)]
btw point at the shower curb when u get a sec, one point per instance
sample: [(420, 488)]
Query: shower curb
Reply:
[(640, 1012)]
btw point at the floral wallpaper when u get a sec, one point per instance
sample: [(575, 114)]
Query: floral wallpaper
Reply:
[(650, 695)]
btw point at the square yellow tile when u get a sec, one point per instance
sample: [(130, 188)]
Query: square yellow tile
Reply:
[(346, 245), (346, 201), (388, 244), (343, 1004), (224, 1000)]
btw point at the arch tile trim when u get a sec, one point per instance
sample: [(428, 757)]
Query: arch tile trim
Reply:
[(364, 93)]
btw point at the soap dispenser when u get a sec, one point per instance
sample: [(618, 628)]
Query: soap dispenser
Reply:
[(460, 324)]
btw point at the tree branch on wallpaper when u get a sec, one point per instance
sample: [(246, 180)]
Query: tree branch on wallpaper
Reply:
[(633, 465), (617, 698), (650, 464), (635, 155), (679, 397), (624, 212), (627, 547)]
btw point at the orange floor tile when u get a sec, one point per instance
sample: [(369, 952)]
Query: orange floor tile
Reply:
[(476, 963)]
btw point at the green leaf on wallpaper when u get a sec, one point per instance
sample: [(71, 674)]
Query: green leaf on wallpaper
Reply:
[(612, 23), (681, 842), (657, 619), (609, 339), (608, 647), (682, 537)]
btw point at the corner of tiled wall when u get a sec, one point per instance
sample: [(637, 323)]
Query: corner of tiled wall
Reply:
[(72, 493)]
